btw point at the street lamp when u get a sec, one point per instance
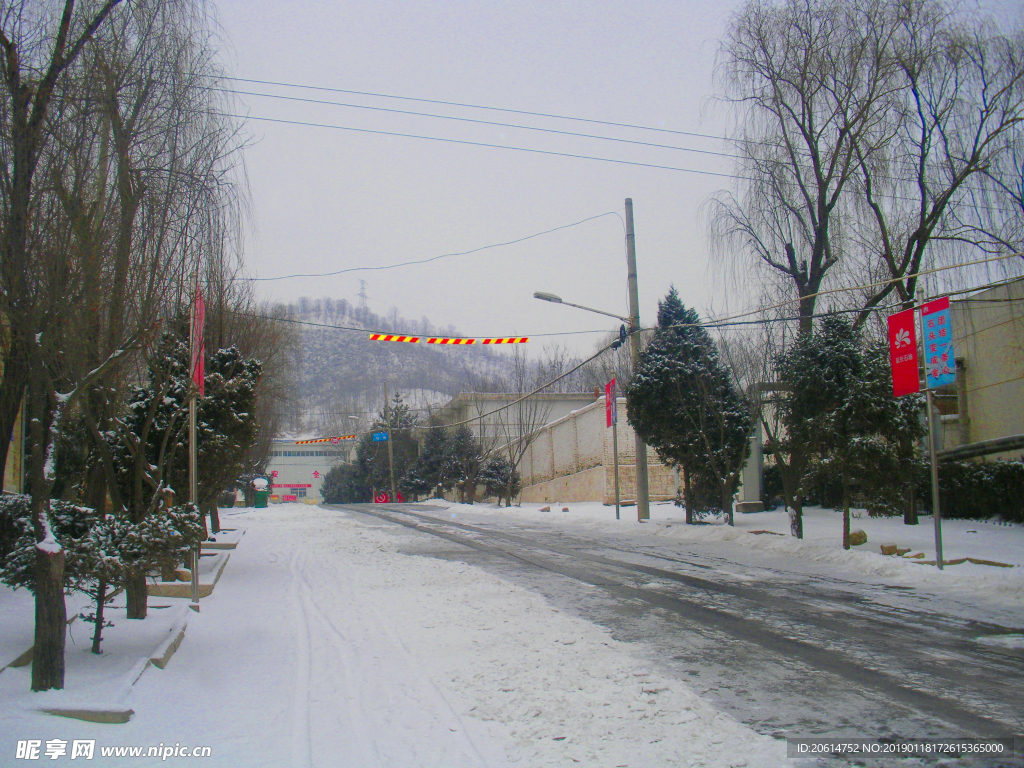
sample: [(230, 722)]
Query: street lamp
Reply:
[(558, 300), (642, 493)]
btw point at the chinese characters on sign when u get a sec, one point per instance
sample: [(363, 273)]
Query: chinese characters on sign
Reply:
[(938, 343), (903, 353)]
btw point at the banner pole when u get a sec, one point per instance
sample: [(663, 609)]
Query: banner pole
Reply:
[(929, 406)]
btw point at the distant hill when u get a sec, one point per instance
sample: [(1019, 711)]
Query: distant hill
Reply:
[(338, 373)]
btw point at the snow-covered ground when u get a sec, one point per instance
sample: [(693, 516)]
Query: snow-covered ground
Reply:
[(324, 645), (822, 543)]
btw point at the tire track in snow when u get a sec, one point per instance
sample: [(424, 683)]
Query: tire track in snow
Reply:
[(426, 685), (301, 743), (340, 648)]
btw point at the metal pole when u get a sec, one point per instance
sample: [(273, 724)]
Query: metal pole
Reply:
[(643, 506), (391, 458), (932, 450), (193, 489), (615, 451), (935, 483)]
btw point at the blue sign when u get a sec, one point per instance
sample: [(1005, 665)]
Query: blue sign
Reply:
[(380, 437), (937, 327)]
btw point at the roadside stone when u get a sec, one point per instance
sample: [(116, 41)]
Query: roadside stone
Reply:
[(888, 549), (857, 538)]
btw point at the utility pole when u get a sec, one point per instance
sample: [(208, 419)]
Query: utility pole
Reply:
[(391, 455), (643, 504)]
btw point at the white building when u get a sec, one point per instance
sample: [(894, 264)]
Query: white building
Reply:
[(296, 470)]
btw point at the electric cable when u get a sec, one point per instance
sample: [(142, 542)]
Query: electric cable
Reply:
[(484, 144), (514, 126), (478, 106), (433, 258)]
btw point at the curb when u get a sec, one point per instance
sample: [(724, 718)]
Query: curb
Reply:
[(116, 715), (184, 588)]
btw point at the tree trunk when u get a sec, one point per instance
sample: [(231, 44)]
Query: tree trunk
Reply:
[(215, 519), (910, 505), (846, 512), (101, 600), (727, 500), (12, 392), (51, 622), (796, 518), (688, 496), (136, 596)]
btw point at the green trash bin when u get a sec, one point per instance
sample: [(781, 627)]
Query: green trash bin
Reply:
[(261, 499)]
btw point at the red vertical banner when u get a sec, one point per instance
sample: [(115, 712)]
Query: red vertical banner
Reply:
[(903, 353), (198, 351), (610, 404)]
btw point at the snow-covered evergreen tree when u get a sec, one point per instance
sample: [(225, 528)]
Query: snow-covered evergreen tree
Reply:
[(683, 403), (432, 471), (841, 409), (501, 478)]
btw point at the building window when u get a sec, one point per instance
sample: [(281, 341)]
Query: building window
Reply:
[(300, 492)]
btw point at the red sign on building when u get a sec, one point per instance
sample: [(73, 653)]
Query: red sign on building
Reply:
[(903, 353)]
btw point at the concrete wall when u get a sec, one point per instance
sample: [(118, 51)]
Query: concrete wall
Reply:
[(572, 459)]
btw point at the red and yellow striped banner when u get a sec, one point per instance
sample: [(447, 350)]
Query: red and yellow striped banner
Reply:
[(335, 439), (442, 340)]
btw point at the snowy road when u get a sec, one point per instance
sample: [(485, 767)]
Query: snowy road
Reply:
[(788, 651)]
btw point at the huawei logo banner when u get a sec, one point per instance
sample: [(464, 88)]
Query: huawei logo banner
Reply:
[(903, 353)]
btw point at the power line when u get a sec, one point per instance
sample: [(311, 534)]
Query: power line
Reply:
[(478, 122), (435, 258), (369, 331), (484, 144), (479, 106)]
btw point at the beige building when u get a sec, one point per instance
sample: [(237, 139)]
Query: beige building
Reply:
[(987, 401)]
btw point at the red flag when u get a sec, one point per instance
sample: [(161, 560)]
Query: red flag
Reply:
[(903, 353), (198, 366), (611, 415)]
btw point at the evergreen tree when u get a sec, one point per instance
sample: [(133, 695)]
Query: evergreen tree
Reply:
[(466, 458), (343, 484), (432, 472), (226, 428), (682, 402), (501, 478), (373, 472), (842, 410)]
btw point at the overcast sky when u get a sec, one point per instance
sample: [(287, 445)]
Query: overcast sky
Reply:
[(326, 199)]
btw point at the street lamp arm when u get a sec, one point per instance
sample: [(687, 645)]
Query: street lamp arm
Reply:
[(556, 300)]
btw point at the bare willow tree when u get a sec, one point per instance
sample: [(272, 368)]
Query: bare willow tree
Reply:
[(806, 80), (940, 183), (874, 140), (41, 42), (115, 179)]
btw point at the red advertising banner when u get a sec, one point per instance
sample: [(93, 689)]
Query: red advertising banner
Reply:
[(611, 415), (903, 353), (198, 351)]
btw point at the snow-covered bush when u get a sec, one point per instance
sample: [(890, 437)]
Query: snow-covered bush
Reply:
[(69, 523), (978, 490)]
